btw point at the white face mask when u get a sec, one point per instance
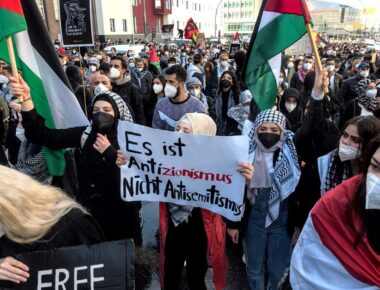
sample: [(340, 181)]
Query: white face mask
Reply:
[(371, 93), (307, 66), (224, 63), (348, 152), (364, 73), (100, 88), (195, 93), (372, 191), (290, 107), (140, 69), (330, 68), (132, 64), (290, 64), (3, 79), (93, 68), (280, 81), (114, 73), (170, 91), (157, 88)]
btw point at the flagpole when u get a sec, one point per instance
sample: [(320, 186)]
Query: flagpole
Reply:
[(310, 32), (83, 83), (12, 59)]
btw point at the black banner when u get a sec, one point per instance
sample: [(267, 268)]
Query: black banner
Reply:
[(105, 266), (76, 23)]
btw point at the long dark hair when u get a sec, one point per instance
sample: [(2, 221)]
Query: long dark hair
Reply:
[(369, 217), (235, 86), (368, 127)]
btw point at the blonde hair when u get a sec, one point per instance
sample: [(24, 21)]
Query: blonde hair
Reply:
[(28, 209)]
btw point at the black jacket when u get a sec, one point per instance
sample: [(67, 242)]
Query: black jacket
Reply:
[(351, 110), (73, 229), (145, 86), (130, 93), (348, 90), (338, 81), (98, 175)]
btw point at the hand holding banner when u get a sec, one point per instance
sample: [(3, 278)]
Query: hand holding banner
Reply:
[(185, 169)]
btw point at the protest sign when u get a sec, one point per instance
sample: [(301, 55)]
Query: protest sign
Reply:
[(200, 38), (101, 266), (76, 23), (185, 169), (301, 47), (167, 31), (234, 48)]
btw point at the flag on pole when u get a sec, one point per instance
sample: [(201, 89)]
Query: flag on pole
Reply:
[(154, 58), (279, 25), (236, 37), (11, 18), (36, 58), (190, 29)]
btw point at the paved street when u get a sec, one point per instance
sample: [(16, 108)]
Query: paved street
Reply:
[(147, 258)]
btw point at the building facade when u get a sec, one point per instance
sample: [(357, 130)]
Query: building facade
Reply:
[(113, 19), (204, 13), (49, 12), (239, 16)]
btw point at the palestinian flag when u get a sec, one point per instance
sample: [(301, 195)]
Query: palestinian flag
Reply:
[(279, 25), (331, 253), (36, 58), (11, 18), (236, 37), (154, 58), (191, 29)]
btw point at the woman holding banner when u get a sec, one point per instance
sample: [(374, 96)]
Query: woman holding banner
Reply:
[(192, 235), (98, 175), (36, 217)]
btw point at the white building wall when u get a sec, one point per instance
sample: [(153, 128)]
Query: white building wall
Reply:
[(202, 12), (239, 16), (118, 10)]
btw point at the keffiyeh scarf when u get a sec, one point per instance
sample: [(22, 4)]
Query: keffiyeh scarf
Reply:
[(370, 104), (286, 170)]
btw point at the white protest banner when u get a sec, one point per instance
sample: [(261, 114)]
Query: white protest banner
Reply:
[(302, 46), (185, 169)]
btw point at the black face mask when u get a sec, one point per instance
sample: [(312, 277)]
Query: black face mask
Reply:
[(225, 83), (268, 139), (103, 121)]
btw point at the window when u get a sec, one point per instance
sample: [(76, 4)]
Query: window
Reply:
[(177, 3), (157, 4), (200, 26), (167, 4), (112, 24), (134, 2), (134, 25), (187, 4), (125, 25), (177, 24), (199, 8)]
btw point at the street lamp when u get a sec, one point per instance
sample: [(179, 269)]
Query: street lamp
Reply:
[(216, 12)]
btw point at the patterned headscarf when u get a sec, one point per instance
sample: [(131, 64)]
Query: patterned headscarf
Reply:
[(286, 170), (370, 104), (123, 111)]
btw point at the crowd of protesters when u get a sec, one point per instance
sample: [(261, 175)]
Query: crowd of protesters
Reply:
[(315, 163)]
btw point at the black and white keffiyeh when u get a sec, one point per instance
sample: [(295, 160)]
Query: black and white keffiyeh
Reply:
[(286, 171), (124, 112), (370, 104), (333, 179)]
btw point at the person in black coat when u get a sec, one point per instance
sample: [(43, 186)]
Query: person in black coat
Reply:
[(143, 79), (291, 108), (348, 89), (82, 94), (37, 217), (123, 86), (365, 104), (98, 174)]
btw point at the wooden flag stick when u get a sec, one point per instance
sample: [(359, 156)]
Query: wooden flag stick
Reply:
[(12, 59), (310, 32)]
